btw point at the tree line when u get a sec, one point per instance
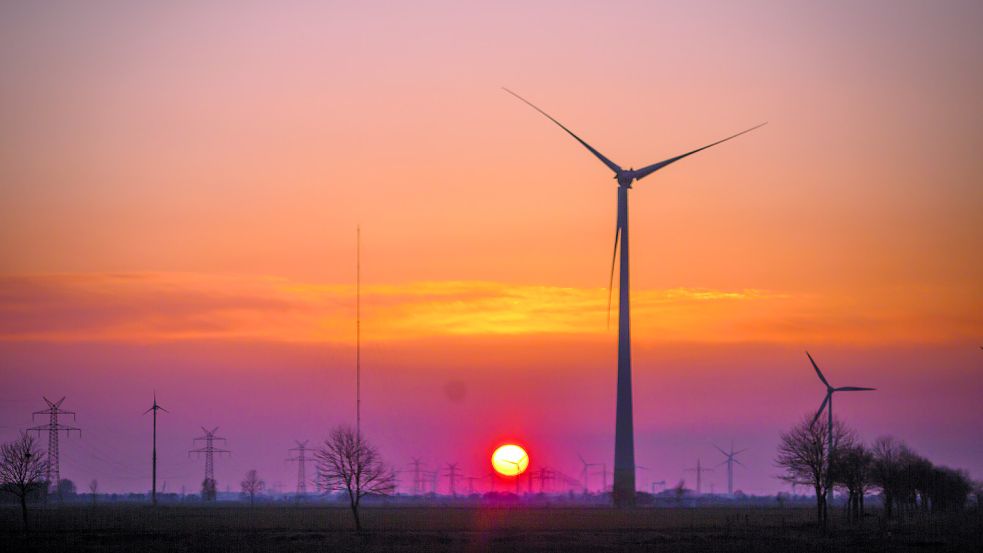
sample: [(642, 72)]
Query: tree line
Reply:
[(906, 481)]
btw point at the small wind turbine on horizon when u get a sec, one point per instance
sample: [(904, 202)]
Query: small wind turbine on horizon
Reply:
[(828, 405), (585, 472), (153, 458), (623, 492), (731, 459)]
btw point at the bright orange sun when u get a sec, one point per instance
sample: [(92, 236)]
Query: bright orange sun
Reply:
[(510, 460)]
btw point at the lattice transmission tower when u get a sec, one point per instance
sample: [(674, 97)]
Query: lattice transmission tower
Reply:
[(209, 450), (302, 459), (53, 428)]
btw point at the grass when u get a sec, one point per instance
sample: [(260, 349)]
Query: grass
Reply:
[(230, 527)]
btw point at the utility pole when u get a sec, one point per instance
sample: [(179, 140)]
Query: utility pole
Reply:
[(452, 473), (153, 456), (302, 460), (699, 470), (53, 428), (209, 450)]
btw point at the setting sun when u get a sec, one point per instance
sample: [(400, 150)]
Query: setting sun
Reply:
[(510, 460)]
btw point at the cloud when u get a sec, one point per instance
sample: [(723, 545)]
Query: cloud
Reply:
[(154, 307)]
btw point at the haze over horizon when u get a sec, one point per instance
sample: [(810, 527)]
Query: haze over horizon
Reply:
[(181, 186)]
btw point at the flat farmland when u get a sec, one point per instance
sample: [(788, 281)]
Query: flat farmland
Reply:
[(234, 527)]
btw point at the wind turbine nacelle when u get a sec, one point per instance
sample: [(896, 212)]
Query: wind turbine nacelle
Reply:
[(625, 178)]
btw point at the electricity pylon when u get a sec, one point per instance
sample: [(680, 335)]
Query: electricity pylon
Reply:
[(53, 427), (209, 450), (699, 470), (417, 482), (452, 474), (302, 460)]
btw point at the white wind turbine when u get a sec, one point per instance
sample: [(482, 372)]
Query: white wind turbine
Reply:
[(731, 459), (828, 405), (623, 492)]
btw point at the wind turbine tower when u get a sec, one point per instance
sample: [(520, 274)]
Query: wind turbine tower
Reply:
[(53, 428), (153, 456), (623, 492), (731, 459), (302, 460)]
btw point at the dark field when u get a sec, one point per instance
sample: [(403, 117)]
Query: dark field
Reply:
[(302, 528)]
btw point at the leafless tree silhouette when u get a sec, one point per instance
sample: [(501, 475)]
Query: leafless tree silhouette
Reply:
[(346, 462), (802, 452), (852, 471), (22, 469), (252, 485), (93, 488), (910, 482)]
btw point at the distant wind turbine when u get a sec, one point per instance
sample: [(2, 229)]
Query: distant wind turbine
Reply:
[(828, 405), (153, 457), (730, 465), (623, 492), (585, 472)]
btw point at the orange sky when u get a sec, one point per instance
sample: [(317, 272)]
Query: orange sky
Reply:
[(183, 173)]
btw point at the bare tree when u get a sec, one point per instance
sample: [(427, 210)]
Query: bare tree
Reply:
[(93, 488), (346, 462), (888, 470), (22, 469), (802, 452), (252, 485), (852, 471)]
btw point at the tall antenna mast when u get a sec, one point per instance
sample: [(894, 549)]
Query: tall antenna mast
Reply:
[(358, 332)]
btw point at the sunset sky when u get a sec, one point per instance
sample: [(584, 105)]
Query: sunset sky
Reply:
[(180, 187)]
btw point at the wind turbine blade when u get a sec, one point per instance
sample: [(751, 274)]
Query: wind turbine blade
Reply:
[(818, 372), (820, 411), (853, 389), (614, 255), (722, 463), (646, 171), (741, 451), (740, 463), (611, 165), (720, 450)]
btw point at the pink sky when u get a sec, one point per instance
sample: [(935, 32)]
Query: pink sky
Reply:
[(181, 186)]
